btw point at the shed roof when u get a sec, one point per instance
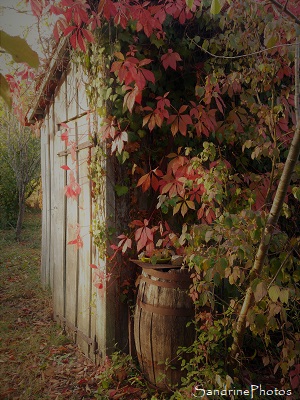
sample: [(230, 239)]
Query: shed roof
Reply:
[(49, 81)]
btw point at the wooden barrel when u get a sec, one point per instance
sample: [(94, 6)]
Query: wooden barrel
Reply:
[(163, 309)]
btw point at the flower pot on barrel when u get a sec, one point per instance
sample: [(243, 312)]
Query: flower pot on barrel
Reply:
[(163, 309)]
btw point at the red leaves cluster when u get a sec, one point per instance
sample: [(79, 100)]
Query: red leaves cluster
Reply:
[(131, 70), (144, 236), (74, 21), (180, 121), (78, 239), (150, 179), (73, 189), (37, 6), (170, 59), (157, 116), (124, 244), (111, 129), (99, 277)]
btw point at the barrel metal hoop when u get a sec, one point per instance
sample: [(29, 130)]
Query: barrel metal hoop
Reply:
[(178, 312), (172, 284), (177, 277)]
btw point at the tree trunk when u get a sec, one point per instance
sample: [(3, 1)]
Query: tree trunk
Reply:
[(272, 220), (20, 214)]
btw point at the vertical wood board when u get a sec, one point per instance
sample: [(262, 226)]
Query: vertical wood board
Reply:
[(45, 205), (72, 92), (84, 278), (60, 106), (58, 240)]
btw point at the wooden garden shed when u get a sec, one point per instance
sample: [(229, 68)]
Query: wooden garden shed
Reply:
[(95, 318)]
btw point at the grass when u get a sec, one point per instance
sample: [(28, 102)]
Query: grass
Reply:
[(36, 360)]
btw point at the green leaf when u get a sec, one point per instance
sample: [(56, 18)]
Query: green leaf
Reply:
[(274, 292), (271, 41), (228, 223), (205, 44), (189, 3), (296, 192), (4, 91), (122, 157), (215, 7), (19, 49), (284, 295), (260, 321), (121, 190)]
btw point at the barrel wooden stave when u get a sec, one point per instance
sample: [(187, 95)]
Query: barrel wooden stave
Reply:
[(160, 322)]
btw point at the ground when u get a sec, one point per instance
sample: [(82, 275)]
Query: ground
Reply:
[(36, 360)]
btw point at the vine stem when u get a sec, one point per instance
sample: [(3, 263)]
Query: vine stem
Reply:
[(274, 214)]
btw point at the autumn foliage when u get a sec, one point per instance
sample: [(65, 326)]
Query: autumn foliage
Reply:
[(200, 110)]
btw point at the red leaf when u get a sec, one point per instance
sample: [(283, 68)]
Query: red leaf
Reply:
[(36, 7), (99, 285), (65, 136), (145, 61), (88, 35), (81, 42), (137, 222), (169, 59), (180, 121), (72, 190), (131, 97), (119, 142), (73, 41), (144, 181), (124, 243), (69, 29), (78, 242)]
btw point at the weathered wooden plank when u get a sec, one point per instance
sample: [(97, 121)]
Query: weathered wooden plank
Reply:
[(83, 127), (47, 213), (84, 271), (58, 239), (60, 106), (82, 79), (98, 305), (78, 148), (72, 92), (72, 214), (51, 188), (45, 205)]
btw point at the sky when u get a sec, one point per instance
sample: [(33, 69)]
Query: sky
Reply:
[(15, 23), (18, 23)]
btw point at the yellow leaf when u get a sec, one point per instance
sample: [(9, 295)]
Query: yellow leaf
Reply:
[(19, 49), (274, 292), (215, 7), (184, 209), (4, 91), (284, 295)]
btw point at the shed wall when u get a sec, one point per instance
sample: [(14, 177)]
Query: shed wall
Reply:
[(95, 318)]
